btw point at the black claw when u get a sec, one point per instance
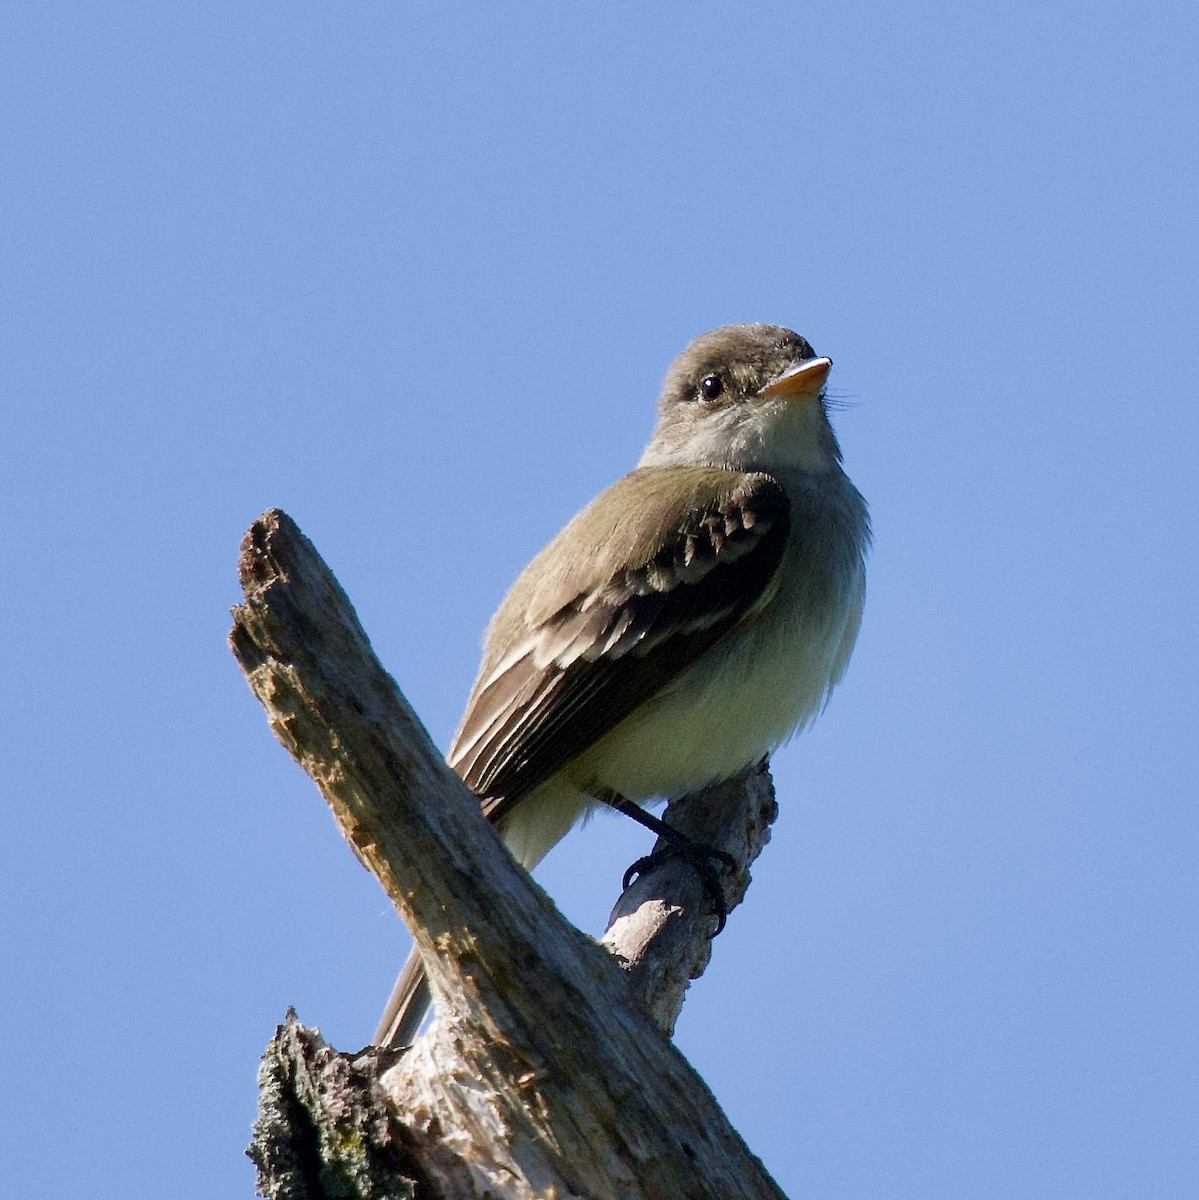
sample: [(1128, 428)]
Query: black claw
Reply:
[(702, 859)]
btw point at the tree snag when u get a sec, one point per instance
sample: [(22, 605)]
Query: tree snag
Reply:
[(548, 1070)]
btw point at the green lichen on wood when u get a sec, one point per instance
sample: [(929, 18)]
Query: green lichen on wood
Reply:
[(321, 1132)]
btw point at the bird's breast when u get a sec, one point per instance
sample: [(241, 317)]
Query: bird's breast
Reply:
[(767, 678)]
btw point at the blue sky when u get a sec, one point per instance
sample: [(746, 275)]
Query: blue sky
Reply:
[(393, 267)]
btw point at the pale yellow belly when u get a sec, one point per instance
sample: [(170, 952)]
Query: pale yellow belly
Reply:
[(728, 710), (722, 714)]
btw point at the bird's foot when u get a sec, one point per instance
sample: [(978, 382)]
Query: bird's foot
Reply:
[(705, 859), (708, 862)]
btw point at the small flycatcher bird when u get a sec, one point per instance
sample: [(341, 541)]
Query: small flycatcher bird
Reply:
[(682, 626)]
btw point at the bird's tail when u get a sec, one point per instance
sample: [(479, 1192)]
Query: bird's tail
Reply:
[(407, 1005)]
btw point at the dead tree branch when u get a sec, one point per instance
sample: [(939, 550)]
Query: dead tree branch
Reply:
[(545, 1073)]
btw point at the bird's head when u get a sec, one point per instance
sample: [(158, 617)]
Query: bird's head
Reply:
[(747, 397)]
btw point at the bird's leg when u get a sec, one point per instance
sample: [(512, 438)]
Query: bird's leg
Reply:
[(700, 857)]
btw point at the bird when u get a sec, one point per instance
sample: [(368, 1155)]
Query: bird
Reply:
[(683, 625)]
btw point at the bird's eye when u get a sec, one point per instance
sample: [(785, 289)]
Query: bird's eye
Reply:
[(711, 387)]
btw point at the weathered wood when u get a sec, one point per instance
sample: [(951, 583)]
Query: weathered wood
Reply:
[(544, 1074), (660, 927)]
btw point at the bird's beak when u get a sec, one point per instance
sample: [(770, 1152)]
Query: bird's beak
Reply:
[(802, 379)]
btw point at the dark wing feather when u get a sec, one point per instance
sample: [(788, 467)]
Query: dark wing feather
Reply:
[(577, 670)]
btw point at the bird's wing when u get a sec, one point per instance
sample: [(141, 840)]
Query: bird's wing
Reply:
[(575, 650)]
